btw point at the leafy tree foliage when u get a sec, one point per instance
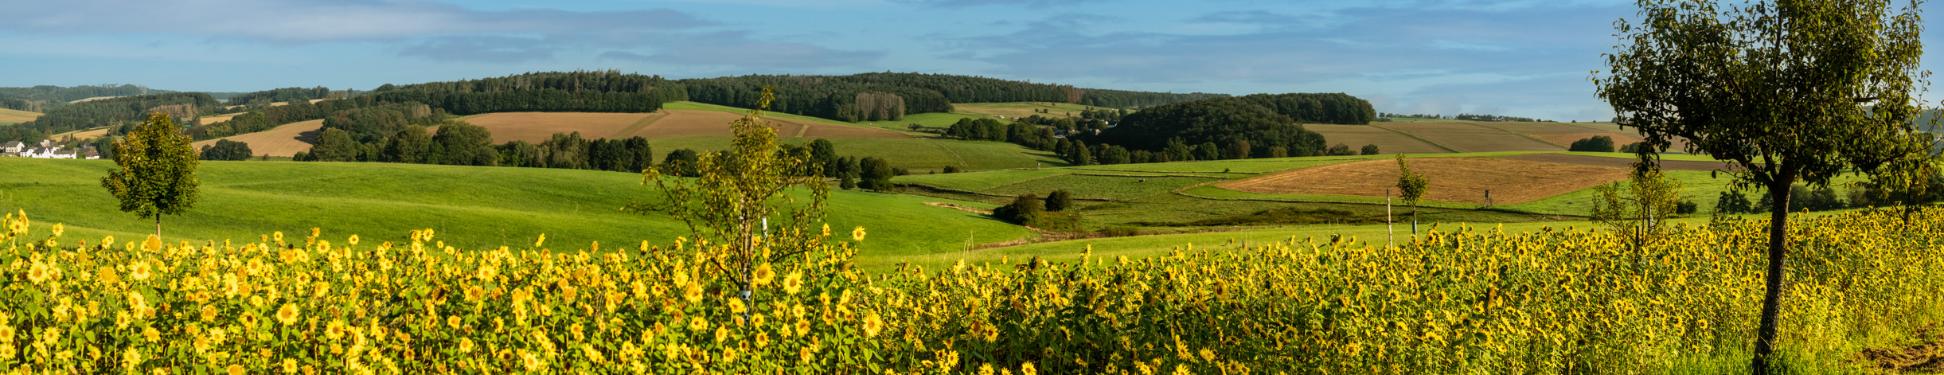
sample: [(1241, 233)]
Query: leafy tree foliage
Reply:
[(1059, 200), (409, 145), (890, 96), (1334, 108), (225, 149), (155, 171), (373, 124), (874, 174), (1213, 122), (1369, 150), (335, 145), (460, 143), (681, 162), (1411, 187), (1598, 143), (1638, 211), (1790, 91), (1024, 210), (601, 91)]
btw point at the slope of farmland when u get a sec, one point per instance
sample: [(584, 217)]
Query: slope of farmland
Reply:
[(282, 141), (81, 135), (13, 116), (1386, 140), (469, 206), (1463, 136)]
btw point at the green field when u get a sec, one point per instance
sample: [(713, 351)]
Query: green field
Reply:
[(923, 153), (1017, 110), (12, 116), (476, 206)]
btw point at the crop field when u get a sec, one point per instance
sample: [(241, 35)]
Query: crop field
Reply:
[(1563, 134), (84, 134), (282, 141), (479, 206), (1387, 140), (1466, 136), (1509, 179), (13, 116), (1018, 110), (211, 119)]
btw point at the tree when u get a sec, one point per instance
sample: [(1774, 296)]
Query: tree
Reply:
[(1410, 186), (335, 145), (1369, 150), (1637, 210), (1787, 91), (155, 171), (461, 143), (225, 149), (1340, 150), (1024, 210), (740, 190), (1059, 200), (1598, 143), (874, 174), (681, 162), (408, 146)]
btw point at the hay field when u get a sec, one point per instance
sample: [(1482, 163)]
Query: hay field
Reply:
[(211, 119), (1463, 136), (11, 116), (81, 135), (282, 141), (1466, 180), (1356, 136)]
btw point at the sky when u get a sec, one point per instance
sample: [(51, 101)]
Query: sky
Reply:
[(1529, 58)]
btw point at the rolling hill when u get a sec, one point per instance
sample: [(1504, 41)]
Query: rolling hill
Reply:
[(476, 207), (1424, 136)]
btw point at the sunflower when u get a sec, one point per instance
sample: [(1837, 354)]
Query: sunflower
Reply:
[(793, 282), (873, 324), (287, 314), (692, 293), (858, 234), (762, 275)]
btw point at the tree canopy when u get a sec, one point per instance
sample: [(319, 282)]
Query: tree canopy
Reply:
[(155, 170)]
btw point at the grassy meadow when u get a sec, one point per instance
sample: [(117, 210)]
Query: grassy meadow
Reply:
[(475, 207)]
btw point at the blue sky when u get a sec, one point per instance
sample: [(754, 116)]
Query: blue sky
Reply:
[(1514, 57)]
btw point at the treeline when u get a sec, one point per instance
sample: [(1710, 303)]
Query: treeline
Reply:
[(44, 98), (1331, 108), (1495, 118), (828, 97), (890, 96), (580, 91), (572, 151), (287, 94), (1227, 128), (262, 119), (113, 112)]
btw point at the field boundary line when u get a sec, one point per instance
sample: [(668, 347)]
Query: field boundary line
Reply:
[(1534, 139), (1420, 139), (643, 123)]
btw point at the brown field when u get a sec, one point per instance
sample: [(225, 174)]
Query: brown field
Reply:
[(282, 141), (538, 126), (1510, 181), (9, 116), (82, 134), (1464, 136), (211, 119), (1356, 136)]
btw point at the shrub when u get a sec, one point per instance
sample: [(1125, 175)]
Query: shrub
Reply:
[(1059, 200), (1686, 207), (1369, 150), (1598, 143), (1024, 210)]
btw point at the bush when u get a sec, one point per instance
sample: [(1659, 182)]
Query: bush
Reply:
[(1734, 202), (1686, 207), (874, 174), (1633, 147), (951, 169), (1024, 210), (225, 149), (1059, 200), (1340, 150), (1369, 150), (1598, 143)]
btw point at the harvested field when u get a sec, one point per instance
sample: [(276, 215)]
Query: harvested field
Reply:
[(1510, 180), (82, 134), (1563, 135), (665, 124), (1463, 136), (1387, 141), (9, 116), (282, 141), (1672, 165), (211, 119)]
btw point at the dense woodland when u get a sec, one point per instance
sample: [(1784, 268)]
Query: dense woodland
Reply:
[(601, 91), (891, 96), (1226, 128), (45, 98), (118, 112)]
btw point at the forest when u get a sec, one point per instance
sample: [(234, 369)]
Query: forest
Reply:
[(891, 96), (113, 111), (44, 98)]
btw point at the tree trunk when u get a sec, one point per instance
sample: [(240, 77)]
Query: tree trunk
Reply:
[(158, 226), (1772, 295)]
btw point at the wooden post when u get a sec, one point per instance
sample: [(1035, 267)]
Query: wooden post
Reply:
[(1390, 229)]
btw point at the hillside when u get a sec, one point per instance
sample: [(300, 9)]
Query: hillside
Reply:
[(14, 116), (472, 207)]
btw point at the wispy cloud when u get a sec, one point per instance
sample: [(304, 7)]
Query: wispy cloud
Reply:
[(319, 21), (738, 51)]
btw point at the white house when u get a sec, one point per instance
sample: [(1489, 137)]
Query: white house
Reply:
[(12, 147)]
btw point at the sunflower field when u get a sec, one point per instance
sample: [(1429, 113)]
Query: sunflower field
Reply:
[(1465, 300)]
